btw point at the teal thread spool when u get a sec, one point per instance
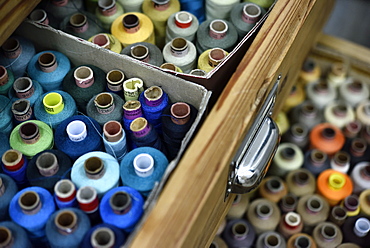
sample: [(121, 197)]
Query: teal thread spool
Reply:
[(145, 52), (82, 24), (24, 87), (6, 80)]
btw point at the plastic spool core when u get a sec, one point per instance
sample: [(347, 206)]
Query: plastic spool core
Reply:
[(139, 125), (302, 242), (308, 65), (272, 240), (183, 19), (64, 189), (47, 62), (289, 201), (288, 153), (274, 185), (144, 165), (115, 79), (101, 40), (86, 195), (314, 204), (292, 219), (106, 5), (104, 103), (131, 23), (358, 146), (29, 202), (11, 48), (78, 21), (23, 87), (264, 210), (180, 112), (355, 86), (336, 181), (66, 222), (6, 238), (53, 103), (240, 230), (76, 131), (198, 72), (3, 75), (318, 157), (84, 76), (251, 13), (168, 66), (47, 164), (338, 69), (39, 16), (29, 133), (154, 93), (362, 227), (340, 110), (339, 213), (301, 177), (2, 187), (131, 105), (328, 231), (94, 167), (216, 56), (328, 133), (179, 47), (321, 88), (351, 202), (140, 52), (21, 107), (112, 131), (120, 202), (102, 237), (218, 29), (341, 158), (299, 131), (309, 110), (11, 159), (365, 172)]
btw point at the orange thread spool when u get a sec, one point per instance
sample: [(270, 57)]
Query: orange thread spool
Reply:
[(334, 186), (327, 138)]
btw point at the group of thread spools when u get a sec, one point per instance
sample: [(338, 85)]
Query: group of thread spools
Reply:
[(179, 35), (317, 190)]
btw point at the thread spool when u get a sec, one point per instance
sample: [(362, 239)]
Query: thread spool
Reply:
[(282, 122), (171, 67), (182, 24), (65, 194), (6, 123), (356, 230), (327, 138), (22, 111), (57, 10), (340, 162), (67, 227), (131, 5), (24, 87), (8, 189), (338, 215), (272, 188), (306, 114), (107, 11), (270, 239), (264, 215), (327, 234), (288, 203), (17, 52), (211, 58), (360, 176), (14, 164), (320, 93), (103, 235), (132, 89), (365, 133), (334, 186), (296, 96), (216, 9), (300, 182), (244, 16), (115, 80), (49, 68), (339, 114), (288, 157), (78, 135), (138, 51), (298, 135), (352, 129), (143, 134), (263, 3), (238, 207), (39, 16), (352, 205), (82, 83), (310, 72), (181, 53), (133, 27), (301, 240), (6, 80), (363, 112), (122, 207), (239, 233), (358, 150), (12, 235), (218, 242), (198, 72), (217, 33), (87, 198), (131, 111), (107, 41), (104, 107), (290, 224), (316, 161), (313, 210), (353, 92), (364, 199), (81, 24), (337, 74), (114, 139)]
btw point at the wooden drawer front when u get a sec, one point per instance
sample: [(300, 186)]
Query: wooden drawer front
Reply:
[(192, 204)]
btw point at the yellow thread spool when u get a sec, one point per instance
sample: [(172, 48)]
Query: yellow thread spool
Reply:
[(204, 60), (336, 181), (53, 103)]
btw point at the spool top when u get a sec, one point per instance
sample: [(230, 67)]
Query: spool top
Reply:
[(94, 167), (30, 202), (66, 222), (112, 131), (47, 62), (328, 231), (12, 48), (29, 132), (240, 230), (102, 237), (76, 131), (120, 202), (6, 237), (180, 112), (47, 164), (143, 165), (131, 23)]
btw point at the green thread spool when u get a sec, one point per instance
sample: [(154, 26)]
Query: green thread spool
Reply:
[(132, 88), (108, 11), (107, 41)]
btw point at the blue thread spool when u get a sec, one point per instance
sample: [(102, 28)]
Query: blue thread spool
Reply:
[(143, 134), (31, 208), (122, 207), (13, 235), (99, 170), (85, 133), (57, 10), (24, 87), (6, 80), (47, 168), (49, 68), (8, 189), (114, 138), (22, 111), (81, 24), (84, 82), (66, 228), (65, 194), (196, 7), (131, 111), (239, 233), (14, 164), (104, 235), (316, 161), (17, 52), (6, 124), (105, 107), (46, 106), (142, 168), (145, 52)]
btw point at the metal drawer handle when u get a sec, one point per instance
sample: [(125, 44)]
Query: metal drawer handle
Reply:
[(255, 154)]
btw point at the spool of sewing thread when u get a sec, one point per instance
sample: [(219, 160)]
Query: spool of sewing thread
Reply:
[(288, 203), (24, 87), (244, 16), (301, 240), (365, 202), (4, 141), (290, 224), (87, 198), (107, 41), (12, 235), (334, 186), (316, 161), (107, 11), (142, 168), (115, 80), (103, 235), (122, 207), (298, 135), (159, 11), (363, 112), (47, 168), (339, 114), (67, 227), (8, 189), (31, 208), (104, 107), (143, 134), (78, 135), (320, 93), (84, 82), (270, 239), (282, 121), (170, 67), (99, 170), (131, 111), (31, 137), (65, 194), (353, 92), (6, 80), (198, 72), (182, 25), (81, 24), (181, 53), (365, 133), (132, 88), (218, 242), (49, 68), (313, 210), (272, 188), (239, 233), (327, 234), (358, 150), (288, 157), (352, 205), (306, 114), (6, 124), (217, 33), (210, 58), (356, 230), (238, 207), (338, 215), (300, 182), (263, 3), (16, 53), (54, 107), (217, 9), (133, 27), (114, 138), (327, 138), (22, 111), (264, 215), (360, 176), (131, 5), (310, 72), (145, 52), (337, 74), (39, 16), (14, 164), (352, 129), (57, 10), (296, 96)]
